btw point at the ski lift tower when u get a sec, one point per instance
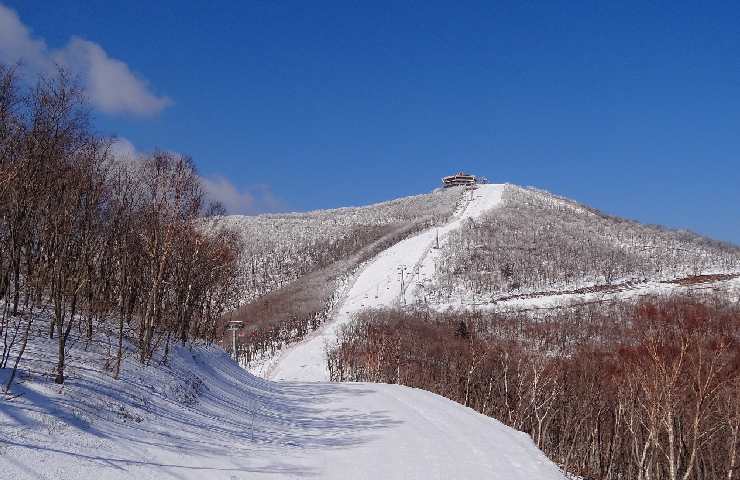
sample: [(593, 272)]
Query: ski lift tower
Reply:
[(233, 326), (401, 272)]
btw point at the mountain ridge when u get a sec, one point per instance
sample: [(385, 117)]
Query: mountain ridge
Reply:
[(468, 268)]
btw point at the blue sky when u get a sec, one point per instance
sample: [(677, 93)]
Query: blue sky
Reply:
[(633, 108)]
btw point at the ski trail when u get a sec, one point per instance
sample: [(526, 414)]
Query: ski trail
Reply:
[(379, 285), (243, 427)]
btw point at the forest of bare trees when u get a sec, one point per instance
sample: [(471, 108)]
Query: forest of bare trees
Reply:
[(291, 281), (285, 315), (97, 243), (536, 241), (283, 247), (618, 391)]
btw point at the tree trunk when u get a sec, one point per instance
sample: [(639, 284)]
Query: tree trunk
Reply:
[(20, 353)]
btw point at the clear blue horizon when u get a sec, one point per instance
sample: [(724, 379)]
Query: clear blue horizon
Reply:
[(633, 109)]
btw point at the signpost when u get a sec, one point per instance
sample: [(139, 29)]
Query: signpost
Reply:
[(233, 326)]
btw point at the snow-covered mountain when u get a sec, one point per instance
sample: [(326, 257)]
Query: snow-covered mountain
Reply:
[(504, 248), (556, 319), (194, 413)]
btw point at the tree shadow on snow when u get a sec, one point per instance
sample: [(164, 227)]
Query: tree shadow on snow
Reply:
[(235, 415)]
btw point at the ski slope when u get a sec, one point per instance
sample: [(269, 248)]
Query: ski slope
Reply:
[(379, 285), (203, 417)]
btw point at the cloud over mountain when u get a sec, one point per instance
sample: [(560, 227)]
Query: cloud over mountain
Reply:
[(245, 200), (250, 200)]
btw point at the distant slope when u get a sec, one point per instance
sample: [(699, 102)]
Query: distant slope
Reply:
[(533, 250), (202, 417), (296, 265), (537, 244), (280, 248), (378, 285)]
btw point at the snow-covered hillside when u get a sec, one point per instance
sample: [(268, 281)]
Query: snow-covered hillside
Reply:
[(509, 248), (282, 247), (200, 416), (296, 266), (379, 285), (541, 247)]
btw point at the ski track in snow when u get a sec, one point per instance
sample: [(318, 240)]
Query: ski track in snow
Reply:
[(147, 425), (379, 285)]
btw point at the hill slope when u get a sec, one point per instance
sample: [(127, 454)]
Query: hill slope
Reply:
[(512, 248), (203, 417), (198, 415), (296, 265), (536, 247), (378, 285)]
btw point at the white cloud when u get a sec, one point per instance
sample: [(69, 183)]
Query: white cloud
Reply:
[(246, 201), (16, 42), (124, 151), (253, 199), (110, 84)]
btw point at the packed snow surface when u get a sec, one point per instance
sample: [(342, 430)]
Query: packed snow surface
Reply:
[(379, 285), (202, 417)]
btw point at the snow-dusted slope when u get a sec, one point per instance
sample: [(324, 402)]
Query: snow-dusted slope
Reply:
[(280, 248), (538, 245), (203, 417), (379, 285)]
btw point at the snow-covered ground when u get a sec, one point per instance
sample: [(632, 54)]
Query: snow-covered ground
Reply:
[(203, 417), (379, 285), (628, 291)]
